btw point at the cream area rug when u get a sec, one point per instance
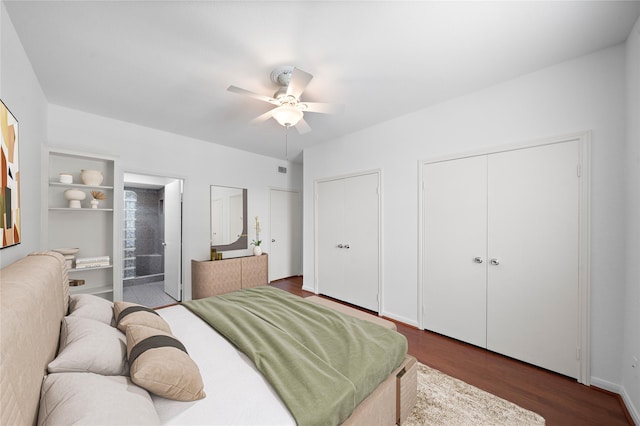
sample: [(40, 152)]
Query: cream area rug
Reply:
[(444, 400)]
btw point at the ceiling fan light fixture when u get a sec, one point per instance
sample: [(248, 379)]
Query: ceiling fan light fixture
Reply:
[(287, 115)]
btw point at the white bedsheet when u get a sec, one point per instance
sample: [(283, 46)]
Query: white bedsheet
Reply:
[(237, 394)]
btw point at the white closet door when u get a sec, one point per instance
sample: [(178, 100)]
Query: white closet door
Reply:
[(455, 234), (532, 312), (348, 239), (331, 226), (361, 240)]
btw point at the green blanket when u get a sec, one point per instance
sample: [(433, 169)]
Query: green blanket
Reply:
[(321, 363)]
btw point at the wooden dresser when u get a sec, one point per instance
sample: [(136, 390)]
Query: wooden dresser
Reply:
[(209, 278)]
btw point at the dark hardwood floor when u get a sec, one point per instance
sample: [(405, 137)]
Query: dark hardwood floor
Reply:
[(559, 399)]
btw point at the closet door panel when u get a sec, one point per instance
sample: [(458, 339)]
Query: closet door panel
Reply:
[(455, 234), (331, 229), (533, 211), (362, 224)]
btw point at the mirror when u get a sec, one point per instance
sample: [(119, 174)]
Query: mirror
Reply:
[(228, 218)]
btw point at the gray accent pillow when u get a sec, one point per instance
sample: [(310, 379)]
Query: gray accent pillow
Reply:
[(92, 399), (91, 346), (91, 306)]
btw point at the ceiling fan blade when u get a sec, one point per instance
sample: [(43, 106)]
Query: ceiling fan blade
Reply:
[(264, 117), (240, 91), (302, 127), (298, 82), (322, 107)]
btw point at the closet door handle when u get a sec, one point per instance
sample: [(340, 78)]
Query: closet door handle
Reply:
[(495, 262), (340, 246), (346, 246), (478, 259)]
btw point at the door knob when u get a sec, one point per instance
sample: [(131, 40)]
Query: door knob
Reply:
[(346, 246), (273, 241), (495, 262), (340, 246), (478, 259)]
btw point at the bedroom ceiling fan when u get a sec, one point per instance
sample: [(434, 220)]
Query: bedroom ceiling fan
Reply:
[(289, 110)]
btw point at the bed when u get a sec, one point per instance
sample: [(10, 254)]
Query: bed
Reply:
[(35, 301)]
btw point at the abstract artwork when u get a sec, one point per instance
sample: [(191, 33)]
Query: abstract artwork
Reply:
[(10, 185)]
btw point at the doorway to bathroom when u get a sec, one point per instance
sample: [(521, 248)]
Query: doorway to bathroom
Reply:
[(152, 240)]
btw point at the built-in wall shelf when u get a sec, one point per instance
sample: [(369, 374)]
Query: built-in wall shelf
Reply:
[(83, 209), (90, 269), (79, 185), (80, 289), (95, 234)]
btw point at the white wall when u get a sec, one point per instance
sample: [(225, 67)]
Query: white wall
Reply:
[(200, 164), (630, 374), (21, 93), (583, 94)]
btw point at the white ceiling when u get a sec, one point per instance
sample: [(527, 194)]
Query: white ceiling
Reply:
[(167, 64)]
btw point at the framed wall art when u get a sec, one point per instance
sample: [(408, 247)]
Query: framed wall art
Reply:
[(10, 186)]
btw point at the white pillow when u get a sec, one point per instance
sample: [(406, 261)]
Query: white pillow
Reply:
[(92, 399), (87, 345), (91, 306)]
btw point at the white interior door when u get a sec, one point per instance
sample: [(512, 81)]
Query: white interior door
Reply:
[(454, 241), (173, 239), (330, 234), (284, 250), (533, 298), (361, 241)]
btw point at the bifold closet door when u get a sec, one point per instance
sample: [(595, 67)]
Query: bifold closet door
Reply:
[(330, 199), (455, 235), (533, 249), (348, 244)]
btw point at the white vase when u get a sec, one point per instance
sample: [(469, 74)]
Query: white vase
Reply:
[(91, 177), (74, 196), (257, 250), (94, 203)]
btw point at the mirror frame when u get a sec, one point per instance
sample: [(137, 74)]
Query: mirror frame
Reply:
[(242, 242)]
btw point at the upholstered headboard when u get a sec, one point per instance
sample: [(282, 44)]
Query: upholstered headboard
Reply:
[(34, 296)]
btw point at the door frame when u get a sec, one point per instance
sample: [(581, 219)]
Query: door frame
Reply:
[(583, 352), (377, 172), (159, 180)]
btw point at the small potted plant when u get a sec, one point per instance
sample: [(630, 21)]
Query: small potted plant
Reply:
[(257, 250), (97, 196)]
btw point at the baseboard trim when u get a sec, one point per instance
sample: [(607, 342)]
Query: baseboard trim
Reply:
[(630, 411), (399, 318)]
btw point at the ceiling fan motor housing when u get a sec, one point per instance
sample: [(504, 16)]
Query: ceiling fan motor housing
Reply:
[(282, 75)]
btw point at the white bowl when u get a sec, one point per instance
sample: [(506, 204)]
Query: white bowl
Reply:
[(66, 178), (66, 250)]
